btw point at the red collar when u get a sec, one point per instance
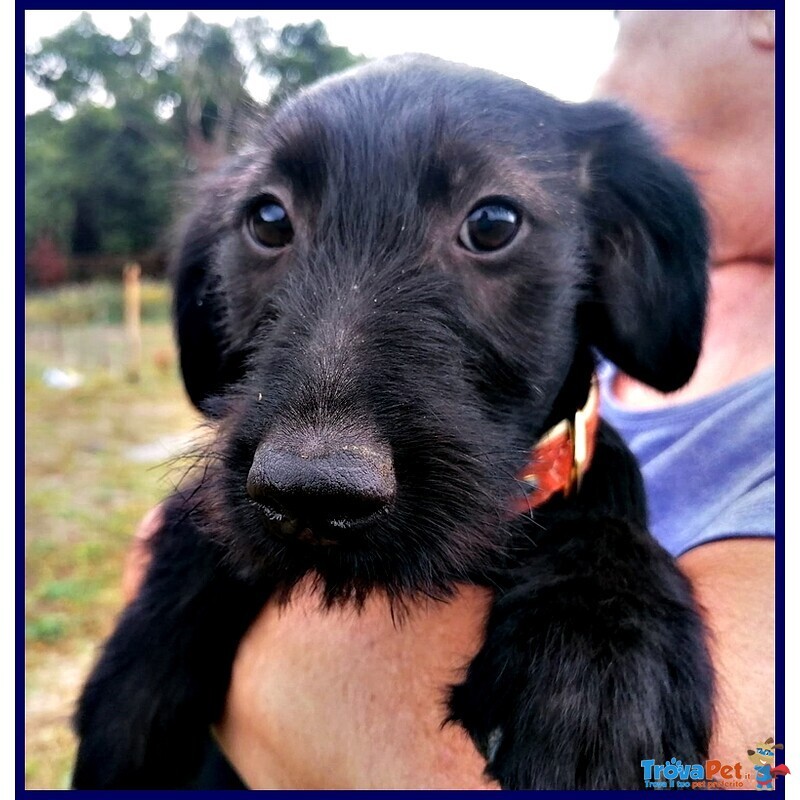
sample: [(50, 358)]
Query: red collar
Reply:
[(561, 457)]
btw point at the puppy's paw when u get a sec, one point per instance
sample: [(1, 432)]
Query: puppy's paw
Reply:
[(132, 736), (582, 676), (497, 705), (112, 750), (533, 701)]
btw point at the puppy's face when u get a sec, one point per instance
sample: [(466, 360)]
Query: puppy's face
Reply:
[(393, 291)]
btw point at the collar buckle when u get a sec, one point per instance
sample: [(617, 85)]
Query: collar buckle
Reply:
[(559, 459), (578, 434)]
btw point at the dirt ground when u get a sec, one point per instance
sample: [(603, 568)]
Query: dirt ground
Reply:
[(98, 455)]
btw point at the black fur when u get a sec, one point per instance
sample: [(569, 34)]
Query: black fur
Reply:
[(376, 329)]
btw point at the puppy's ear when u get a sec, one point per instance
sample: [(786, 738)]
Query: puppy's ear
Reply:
[(647, 247), (208, 364)]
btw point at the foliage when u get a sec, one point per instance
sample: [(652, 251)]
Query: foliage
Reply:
[(303, 55), (128, 120)]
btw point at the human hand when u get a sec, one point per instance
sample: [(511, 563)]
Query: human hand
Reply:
[(138, 558)]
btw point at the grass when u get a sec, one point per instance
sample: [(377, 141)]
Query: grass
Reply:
[(95, 302), (85, 494)]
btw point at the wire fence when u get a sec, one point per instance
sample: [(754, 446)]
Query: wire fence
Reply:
[(101, 327), (100, 346)]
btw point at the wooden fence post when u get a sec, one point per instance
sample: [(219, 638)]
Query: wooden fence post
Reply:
[(133, 319)]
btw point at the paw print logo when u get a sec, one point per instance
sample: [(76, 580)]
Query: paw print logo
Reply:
[(672, 769)]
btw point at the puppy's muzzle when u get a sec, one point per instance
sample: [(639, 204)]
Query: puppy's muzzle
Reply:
[(321, 491)]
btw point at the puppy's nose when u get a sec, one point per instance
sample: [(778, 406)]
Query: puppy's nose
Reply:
[(321, 496)]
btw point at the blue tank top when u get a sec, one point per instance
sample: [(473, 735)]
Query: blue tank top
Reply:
[(708, 465)]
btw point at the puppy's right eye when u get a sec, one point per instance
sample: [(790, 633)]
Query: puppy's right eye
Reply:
[(268, 224), (490, 226)]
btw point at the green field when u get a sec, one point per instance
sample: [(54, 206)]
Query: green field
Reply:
[(97, 457)]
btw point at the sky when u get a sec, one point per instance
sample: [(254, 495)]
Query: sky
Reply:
[(561, 52)]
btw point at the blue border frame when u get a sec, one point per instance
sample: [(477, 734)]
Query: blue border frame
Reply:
[(19, 299), (780, 374)]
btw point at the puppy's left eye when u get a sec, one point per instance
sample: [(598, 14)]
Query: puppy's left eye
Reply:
[(269, 224), (489, 227)]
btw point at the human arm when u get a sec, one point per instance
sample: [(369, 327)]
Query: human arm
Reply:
[(734, 585), (263, 724)]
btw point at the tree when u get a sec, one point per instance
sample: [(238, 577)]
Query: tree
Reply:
[(100, 160), (303, 54), (128, 120), (211, 78)]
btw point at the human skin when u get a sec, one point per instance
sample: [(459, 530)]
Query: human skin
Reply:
[(340, 700), (706, 82)]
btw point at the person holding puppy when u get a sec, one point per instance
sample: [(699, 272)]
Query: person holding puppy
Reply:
[(343, 700), (705, 80)]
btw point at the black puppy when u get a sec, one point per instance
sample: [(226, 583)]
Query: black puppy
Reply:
[(385, 302)]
